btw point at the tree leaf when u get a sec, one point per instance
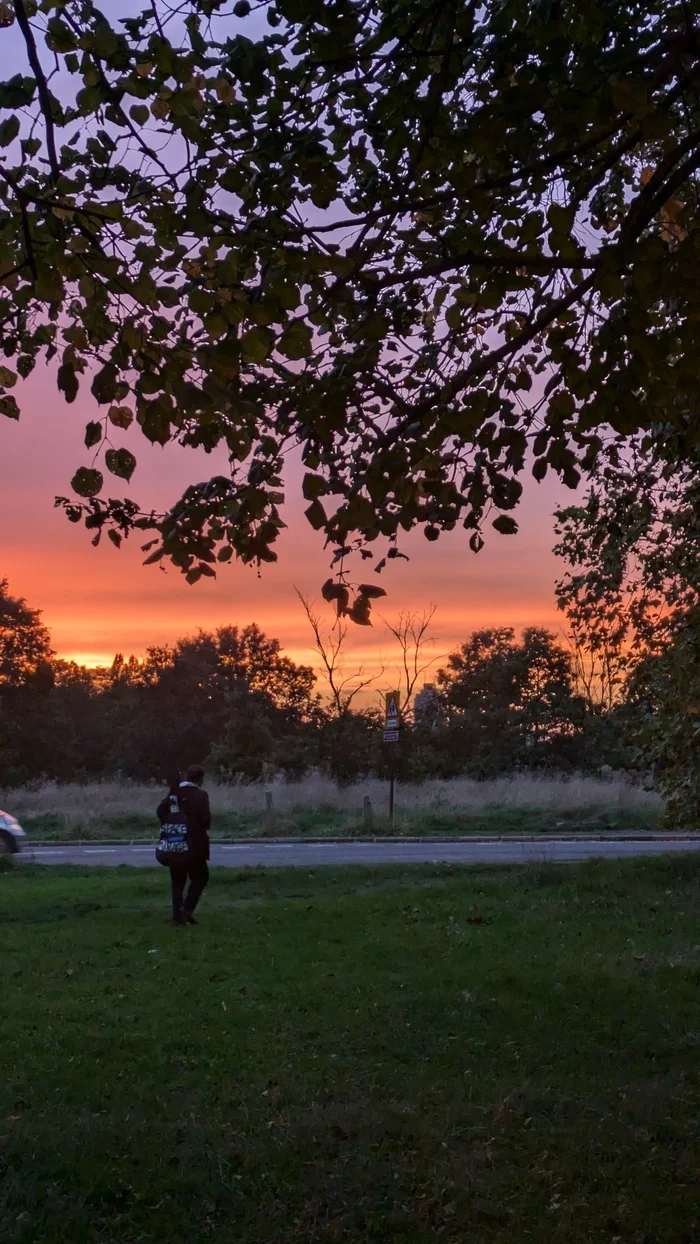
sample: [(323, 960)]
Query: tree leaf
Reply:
[(9, 407), (296, 341), (18, 92), (331, 590), (369, 590), (505, 524), (48, 285), (120, 462), (9, 129), (156, 423), (87, 482), (104, 385), (154, 557), (93, 434), (360, 611), (313, 486), (316, 515), (256, 345), (68, 381), (562, 404), (120, 416)]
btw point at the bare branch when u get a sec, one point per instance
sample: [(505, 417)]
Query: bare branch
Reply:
[(344, 686), (413, 634)]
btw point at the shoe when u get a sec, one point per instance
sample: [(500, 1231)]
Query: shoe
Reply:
[(188, 918)]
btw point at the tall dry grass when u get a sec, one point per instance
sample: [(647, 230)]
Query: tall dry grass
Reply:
[(92, 804)]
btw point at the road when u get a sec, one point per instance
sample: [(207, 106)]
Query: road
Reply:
[(392, 851)]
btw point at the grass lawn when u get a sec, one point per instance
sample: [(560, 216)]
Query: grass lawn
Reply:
[(407, 1055)]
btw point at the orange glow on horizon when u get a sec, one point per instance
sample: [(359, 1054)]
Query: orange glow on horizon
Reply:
[(97, 602)]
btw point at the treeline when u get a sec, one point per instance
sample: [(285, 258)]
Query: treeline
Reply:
[(234, 701)]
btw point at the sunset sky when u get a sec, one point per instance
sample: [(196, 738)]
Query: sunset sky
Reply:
[(99, 601)]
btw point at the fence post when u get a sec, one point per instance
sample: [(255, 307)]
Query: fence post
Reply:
[(367, 813)]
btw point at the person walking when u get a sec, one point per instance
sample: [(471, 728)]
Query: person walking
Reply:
[(184, 842)]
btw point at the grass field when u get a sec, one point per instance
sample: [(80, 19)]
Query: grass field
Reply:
[(523, 803), (404, 1056)]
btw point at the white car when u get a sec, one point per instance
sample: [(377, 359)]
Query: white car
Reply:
[(12, 836)]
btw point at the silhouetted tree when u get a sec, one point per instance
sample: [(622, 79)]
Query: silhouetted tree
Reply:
[(25, 644), (510, 703)]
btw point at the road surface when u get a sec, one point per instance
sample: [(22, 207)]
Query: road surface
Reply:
[(392, 851)]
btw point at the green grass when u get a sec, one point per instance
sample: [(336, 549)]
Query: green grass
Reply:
[(405, 1055), (331, 822)]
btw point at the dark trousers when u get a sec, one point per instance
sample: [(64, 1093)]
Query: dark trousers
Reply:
[(198, 873)]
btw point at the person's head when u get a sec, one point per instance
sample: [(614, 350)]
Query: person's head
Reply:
[(173, 783), (195, 774)]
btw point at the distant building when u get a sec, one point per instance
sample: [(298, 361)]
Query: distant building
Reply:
[(426, 706)]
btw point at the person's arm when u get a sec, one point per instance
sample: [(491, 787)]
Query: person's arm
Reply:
[(163, 808)]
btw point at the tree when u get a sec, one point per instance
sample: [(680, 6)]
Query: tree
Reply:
[(25, 644), (632, 548), (599, 666), (340, 235), (349, 746), (205, 690), (259, 739), (634, 585), (663, 692), (511, 703)]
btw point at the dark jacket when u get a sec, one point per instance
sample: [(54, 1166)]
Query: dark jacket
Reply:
[(195, 803)]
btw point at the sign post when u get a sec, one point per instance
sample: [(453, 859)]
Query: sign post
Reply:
[(392, 726)]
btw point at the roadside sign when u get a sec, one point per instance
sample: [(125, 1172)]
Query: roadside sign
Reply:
[(392, 719), (392, 723)]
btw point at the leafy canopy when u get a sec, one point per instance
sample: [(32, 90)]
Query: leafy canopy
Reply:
[(25, 644), (414, 242), (632, 598)]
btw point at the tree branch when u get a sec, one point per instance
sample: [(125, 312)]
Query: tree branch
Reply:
[(42, 85), (538, 263), (330, 650), (412, 632)]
